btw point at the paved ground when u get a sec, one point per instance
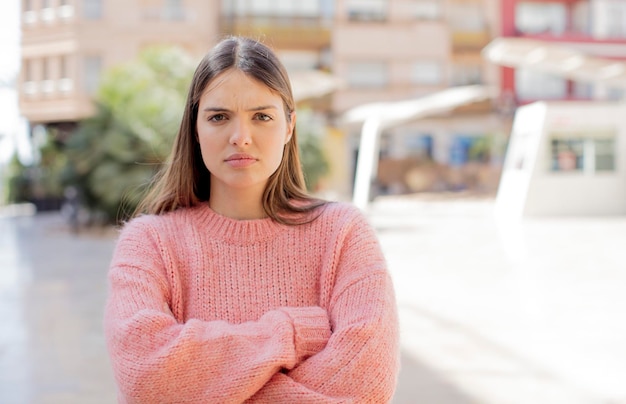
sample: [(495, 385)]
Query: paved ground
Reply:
[(490, 313)]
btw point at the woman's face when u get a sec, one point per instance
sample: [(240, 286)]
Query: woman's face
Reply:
[(242, 130)]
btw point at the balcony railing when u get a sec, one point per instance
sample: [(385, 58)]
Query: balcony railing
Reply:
[(65, 12), (66, 85), (47, 15), (29, 17), (282, 31), (284, 21), (468, 40), (30, 88), (166, 14), (47, 86)]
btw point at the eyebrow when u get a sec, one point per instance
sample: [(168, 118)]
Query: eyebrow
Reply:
[(221, 109)]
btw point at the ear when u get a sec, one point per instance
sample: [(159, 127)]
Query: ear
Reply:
[(291, 125)]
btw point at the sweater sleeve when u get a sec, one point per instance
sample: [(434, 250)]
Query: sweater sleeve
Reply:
[(360, 363), (157, 359)]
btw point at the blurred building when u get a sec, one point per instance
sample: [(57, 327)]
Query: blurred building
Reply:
[(562, 160), (566, 71), (381, 50), (390, 50), (67, 44), (596, 28), (300, 30)]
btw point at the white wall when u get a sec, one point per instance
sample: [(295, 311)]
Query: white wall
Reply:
[(537, 190), (578, 192)]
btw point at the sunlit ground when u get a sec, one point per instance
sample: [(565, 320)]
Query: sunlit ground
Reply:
[(529, 313)]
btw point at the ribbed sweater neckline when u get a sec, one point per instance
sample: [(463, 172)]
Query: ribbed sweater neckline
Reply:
[(234, 231)]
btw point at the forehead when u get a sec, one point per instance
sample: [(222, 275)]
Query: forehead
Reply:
[(236, 86)]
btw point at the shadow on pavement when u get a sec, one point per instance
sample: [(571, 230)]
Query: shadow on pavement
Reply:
[(419, 384)]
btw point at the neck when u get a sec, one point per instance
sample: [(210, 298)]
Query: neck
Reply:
[(237, 205)]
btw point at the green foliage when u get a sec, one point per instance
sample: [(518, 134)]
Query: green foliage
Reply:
[(47, 175), (114, 154), (41, 182), (481, 149), (314, 162), (17, 182)]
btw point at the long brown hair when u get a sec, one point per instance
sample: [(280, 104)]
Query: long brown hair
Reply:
[(185, 181)]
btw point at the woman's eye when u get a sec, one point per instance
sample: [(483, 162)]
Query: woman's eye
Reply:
[(263, 117), (217, 117)]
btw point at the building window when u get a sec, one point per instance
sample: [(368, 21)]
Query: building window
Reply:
[(539, 18), (174, 10), (426, 9), (368, 74), (604, 154), (327, 9), (467, 17), (47, 84), (65, 82), (616, 94), (465, 75), (276, 8), (419, 146), (287, 8), (299, 60), (92, 9), (567, 155), (367, 10), (30, 15), (426, 72), (47, 12), (616, 21), (92, 67), (469, 148), (582, 90), (30, 85), (533, 85), (582, 153), (66, 10)]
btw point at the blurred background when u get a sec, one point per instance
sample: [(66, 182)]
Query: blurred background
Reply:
[(485, 140)]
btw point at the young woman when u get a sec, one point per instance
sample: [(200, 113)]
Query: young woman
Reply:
[(233, 285)]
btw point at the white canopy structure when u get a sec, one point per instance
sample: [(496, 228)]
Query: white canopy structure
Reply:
[(560, 60), (376, 117), (565, 159), (311, 84), (535, 181)]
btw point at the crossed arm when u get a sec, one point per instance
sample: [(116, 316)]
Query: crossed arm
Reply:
[(345, 352)]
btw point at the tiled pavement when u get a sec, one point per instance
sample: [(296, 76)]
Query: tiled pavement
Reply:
[(52, 289), (490, 313), (493, 312)]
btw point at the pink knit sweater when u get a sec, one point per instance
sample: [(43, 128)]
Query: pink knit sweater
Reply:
[(207, 309)]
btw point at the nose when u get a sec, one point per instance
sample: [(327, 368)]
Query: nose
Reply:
[(241, 134)]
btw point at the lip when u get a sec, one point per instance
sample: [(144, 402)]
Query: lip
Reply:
[(238, 160)]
